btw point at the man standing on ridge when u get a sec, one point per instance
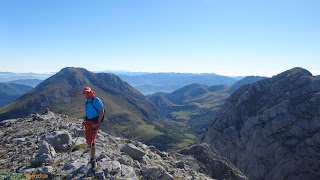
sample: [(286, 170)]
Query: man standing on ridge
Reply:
[(94, 116)]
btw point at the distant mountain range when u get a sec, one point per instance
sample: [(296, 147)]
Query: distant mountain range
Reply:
[(145, 82), (9, 92), (162, 79), (132, 73), (9, 76), (151, 89), (122, 72), (27, 82), (271, 129), (180, 79)]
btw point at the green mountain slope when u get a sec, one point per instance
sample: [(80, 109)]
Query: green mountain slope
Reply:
[(9, 92)]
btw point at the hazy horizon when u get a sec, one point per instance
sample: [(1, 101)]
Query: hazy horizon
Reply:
[(140, 73)]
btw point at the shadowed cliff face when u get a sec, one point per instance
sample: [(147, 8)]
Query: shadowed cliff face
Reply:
[(271, 129)]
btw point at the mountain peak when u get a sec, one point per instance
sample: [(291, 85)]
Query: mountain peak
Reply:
[(78, 72), (70, 69), (294, 72), (299, 70)]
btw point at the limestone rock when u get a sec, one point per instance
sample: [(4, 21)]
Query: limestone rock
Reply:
[(156, 172), (271, 129), (113, 167), (46, 153), (128, 172), (62, 154), (60, 140), (133, 151)]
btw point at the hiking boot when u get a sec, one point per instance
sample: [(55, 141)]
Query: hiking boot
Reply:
[(94, 163)]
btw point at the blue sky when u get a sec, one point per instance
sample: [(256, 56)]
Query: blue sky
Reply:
[(227, 37)]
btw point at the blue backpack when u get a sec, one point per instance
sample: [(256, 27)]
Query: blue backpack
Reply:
[(96, 118)]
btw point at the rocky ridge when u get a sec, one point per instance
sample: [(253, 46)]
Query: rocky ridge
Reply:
[(53, 144), (271, 129)]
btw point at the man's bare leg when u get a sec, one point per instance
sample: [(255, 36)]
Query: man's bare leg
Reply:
[(93, 151)]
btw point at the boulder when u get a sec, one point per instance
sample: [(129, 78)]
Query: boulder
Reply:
[(128, 173), (155, 172), (133, 151), (60, 140), (100, 174), (46, 153), (110, 167)]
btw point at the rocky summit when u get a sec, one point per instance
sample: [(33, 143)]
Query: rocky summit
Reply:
[(54, 146), (271, 129)]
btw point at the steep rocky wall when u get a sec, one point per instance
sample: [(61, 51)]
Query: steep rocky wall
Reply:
[(271, 129)]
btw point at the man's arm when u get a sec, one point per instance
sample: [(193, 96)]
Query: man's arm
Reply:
[(94, 125), (101, 113)]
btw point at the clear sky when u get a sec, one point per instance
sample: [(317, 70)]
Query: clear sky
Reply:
[(226, 37)]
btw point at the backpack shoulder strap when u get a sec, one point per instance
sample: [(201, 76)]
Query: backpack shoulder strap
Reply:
[(87, 102), (94, 106)]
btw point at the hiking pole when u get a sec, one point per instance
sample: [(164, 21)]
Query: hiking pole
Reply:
[(91, 143)]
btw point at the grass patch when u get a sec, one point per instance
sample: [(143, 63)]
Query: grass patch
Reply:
[(190, 136), (78, 147), (122, 142), (163, 142), (185, 143), (183, 115), (148, 129)]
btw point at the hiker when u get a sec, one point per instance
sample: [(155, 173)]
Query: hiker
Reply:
[(94, 116)]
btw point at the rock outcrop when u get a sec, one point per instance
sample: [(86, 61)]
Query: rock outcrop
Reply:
[(271, 129), (53, 144)]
